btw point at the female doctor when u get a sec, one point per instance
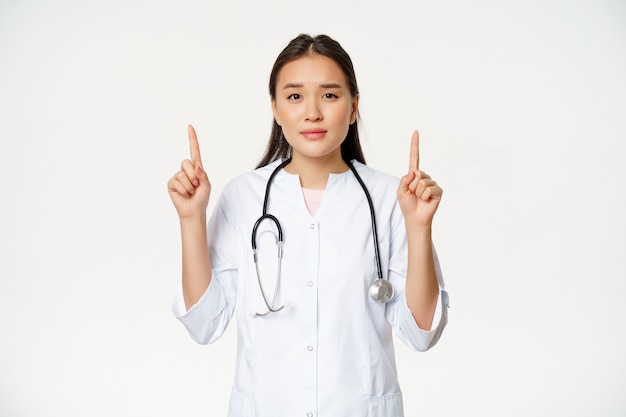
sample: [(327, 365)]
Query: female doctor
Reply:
[(318, 256)]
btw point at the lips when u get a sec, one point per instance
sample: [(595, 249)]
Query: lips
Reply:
[(313, 133)]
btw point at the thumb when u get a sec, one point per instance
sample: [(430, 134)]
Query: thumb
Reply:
[(403, 186), (201, 173)]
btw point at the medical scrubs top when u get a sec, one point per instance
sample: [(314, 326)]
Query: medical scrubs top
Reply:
[(330, 352)]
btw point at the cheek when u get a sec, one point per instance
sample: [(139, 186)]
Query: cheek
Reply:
[(347, 116), (287, 116)]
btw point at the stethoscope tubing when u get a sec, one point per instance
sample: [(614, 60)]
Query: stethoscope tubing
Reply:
[(373, 215), (279, 243), (381, 290)]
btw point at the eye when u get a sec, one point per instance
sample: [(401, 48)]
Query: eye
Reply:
[(294, 96), (330, 96)]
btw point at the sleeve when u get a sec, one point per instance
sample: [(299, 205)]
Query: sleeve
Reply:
[(398, 313), (207, 320)]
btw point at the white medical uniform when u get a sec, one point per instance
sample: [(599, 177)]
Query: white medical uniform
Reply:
[(330, 352)]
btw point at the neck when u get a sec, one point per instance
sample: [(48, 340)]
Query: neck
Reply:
[(314, 172)]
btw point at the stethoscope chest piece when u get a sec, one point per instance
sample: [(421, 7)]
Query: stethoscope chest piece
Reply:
[(381, 290)]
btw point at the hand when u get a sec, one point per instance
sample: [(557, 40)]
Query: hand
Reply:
[(418, 194), (190, 188)]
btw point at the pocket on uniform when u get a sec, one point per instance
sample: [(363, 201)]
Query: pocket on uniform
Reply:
[(385, 406), (241, 405)]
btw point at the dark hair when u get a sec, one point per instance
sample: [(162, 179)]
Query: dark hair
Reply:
[(300, 46)]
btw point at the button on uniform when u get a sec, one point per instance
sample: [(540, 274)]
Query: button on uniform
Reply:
[(310, 232)]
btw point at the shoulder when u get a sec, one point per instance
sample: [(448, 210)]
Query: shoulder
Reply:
[(375, 177), (251, 180), (381, 186), (245, 191)]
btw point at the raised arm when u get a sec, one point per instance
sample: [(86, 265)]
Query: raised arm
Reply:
[(419, 197), (190, 190)]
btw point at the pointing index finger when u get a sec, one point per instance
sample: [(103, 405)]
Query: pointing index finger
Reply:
[(194, 146), (414, 160)]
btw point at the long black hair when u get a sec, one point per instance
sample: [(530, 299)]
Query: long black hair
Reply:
[(300, 46)]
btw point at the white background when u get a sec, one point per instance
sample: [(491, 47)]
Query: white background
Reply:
[(521, 108)]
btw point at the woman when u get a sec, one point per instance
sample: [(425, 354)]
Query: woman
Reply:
[(314, 334)]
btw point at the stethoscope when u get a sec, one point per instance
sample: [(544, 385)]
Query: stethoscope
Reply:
[(380, 290)]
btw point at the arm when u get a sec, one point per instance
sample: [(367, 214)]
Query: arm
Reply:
[(419, 197), (190, 190), (422, 289), (196, 269)]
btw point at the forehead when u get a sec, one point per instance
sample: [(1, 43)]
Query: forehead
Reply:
[(311, 69)]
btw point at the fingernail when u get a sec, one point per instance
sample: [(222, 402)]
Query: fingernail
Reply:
[(196, 183)]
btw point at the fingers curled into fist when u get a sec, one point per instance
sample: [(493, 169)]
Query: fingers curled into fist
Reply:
[(182, 184), (423, 186)]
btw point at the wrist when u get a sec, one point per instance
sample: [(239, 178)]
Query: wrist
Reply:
[(419, 232), (193, 221)]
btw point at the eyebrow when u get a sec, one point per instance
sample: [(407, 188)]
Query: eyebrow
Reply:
[(299, 85)]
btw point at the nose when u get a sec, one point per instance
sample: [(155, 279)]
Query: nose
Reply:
[(313, 112)]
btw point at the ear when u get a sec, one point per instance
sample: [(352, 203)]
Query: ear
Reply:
[(275, 111), (355, 109)]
